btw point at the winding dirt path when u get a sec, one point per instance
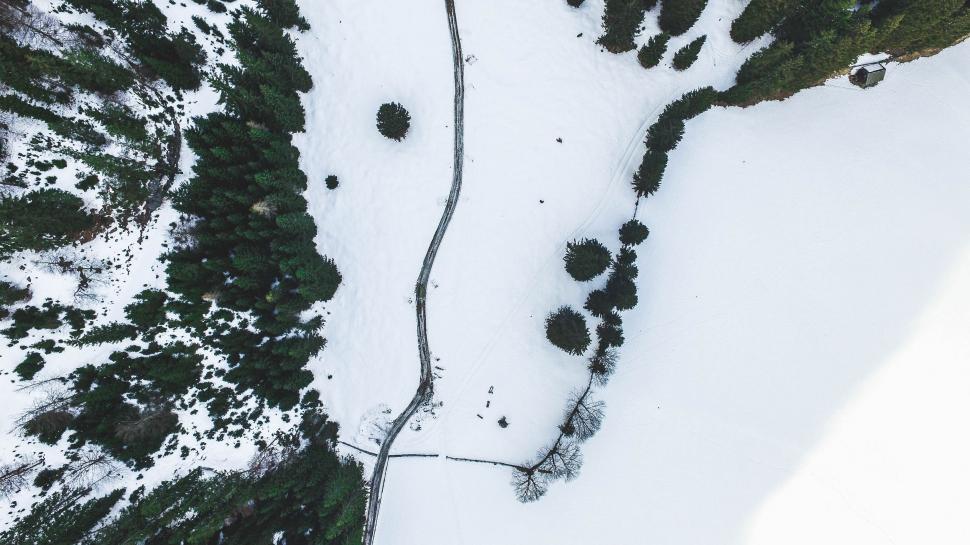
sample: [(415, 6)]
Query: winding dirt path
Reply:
[(426, 385)]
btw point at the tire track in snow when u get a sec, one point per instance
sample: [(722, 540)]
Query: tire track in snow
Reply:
[(426, 385)]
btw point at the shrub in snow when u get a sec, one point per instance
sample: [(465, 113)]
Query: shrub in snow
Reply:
[(633, 232), (11, 294), (651, 52), (677, 16), (31, 365), (332, 182), (575, 3), (684, 58), (393, 121), (586, 259), (566, 329)]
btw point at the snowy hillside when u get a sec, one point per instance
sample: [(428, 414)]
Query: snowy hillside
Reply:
[(796, 372), (500, 272)]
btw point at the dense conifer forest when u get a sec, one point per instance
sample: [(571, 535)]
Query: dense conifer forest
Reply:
[(107, 98)]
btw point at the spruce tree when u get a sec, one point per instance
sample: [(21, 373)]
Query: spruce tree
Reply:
[(41, 220), (393, 121), (566, 329), (621, 23), (665, 134), (586, 259), (759, 17), (651, 52), (685, 57), (633, 233), (646, 180), (677, 16)]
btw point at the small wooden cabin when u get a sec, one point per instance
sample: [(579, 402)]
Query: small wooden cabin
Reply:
[(868, 76)]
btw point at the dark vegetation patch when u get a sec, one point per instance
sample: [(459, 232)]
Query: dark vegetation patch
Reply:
[(393, 121)]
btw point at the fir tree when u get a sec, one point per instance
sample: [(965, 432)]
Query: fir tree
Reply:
[(633, 233), (393, 121), (646, 181), (61, 519), (665, 134), (759, 17), (586, 259), (566, 329), (685, 56), (677, 16), (284, 13), (41, 220), (651, 52), (621, 23)]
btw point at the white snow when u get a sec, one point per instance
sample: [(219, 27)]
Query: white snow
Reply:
[(793, 373)]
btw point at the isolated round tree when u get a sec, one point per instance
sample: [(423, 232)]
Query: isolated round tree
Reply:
[(393, 121), (586, 259), (633, 232), (332, 182), (566, 329)]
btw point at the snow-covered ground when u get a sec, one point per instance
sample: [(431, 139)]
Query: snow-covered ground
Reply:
[(795, 370)]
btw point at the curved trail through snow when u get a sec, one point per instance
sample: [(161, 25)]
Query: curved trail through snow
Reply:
[(426, 386)]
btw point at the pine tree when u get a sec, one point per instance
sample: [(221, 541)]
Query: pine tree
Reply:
[(677, 16), (598, 303), (566, 329), (665, 134), (41, 220), (586, 259), (393, 121), (651, 52), (622, 291), (759, 17), (685, 57), (646, 181), (633, 233), (284, 13), (621, 23), (61, 520)]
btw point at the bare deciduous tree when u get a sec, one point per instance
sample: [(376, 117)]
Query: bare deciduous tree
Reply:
[(89, 272), (13, 476), (53, 399), (88, 467), (602, 364), (29, 23), (584, 416), (529, 484), (563, 460)]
